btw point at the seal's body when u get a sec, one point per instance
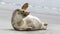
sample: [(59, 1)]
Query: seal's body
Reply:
[(22, 20)]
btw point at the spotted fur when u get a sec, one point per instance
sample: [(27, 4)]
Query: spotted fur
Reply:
[(22, 20)]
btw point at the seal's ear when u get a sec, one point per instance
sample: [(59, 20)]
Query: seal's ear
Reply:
[(25, 6)]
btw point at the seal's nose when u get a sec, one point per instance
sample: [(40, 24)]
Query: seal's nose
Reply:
[(26, 13)]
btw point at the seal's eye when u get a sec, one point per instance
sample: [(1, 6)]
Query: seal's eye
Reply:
[(23, 11)]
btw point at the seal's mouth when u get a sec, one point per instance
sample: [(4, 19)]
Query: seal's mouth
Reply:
[(26, 14)]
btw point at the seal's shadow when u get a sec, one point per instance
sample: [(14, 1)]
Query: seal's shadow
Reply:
[(9, 29), (17, 30)]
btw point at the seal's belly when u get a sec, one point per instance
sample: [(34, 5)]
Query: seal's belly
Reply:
[(34, 23)]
